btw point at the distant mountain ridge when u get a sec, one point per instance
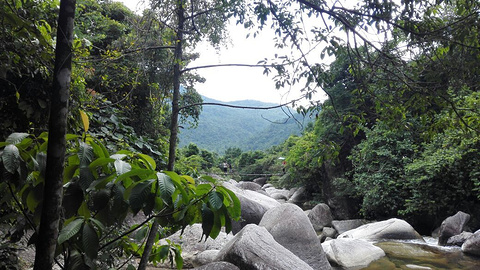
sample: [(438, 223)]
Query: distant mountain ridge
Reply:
[(222, 127)]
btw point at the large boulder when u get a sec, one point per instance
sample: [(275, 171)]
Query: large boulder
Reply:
[(218, 266), (351, 253), (451, 226), (249, 185), (472, 245), (254, 248), (261, 180), (191, 244), (342, 226), (299, 196), (393, 228), (320, 216), (291, 228), (253, 205)]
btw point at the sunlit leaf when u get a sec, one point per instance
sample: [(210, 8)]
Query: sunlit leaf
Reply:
[(70, 230)]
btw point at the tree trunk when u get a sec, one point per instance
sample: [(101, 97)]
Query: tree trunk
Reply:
[(53, 188), (178, 55)]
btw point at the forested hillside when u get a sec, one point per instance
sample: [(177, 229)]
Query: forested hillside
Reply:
[(220, 128)]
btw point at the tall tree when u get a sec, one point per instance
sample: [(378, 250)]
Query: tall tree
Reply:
[(53, 189)]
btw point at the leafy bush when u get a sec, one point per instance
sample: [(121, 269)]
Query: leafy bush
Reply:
[(100, 190)]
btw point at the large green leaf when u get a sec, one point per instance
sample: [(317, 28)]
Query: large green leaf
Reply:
[(139, 195), (216, 200), (147, 160), (90, 241), (122, 167), (70, 230), (85, 154), (15, 138), (235, 208), (207, 221), (165, 185), (11, 158)]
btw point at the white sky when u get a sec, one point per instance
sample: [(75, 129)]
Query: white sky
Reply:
[(238, 83)]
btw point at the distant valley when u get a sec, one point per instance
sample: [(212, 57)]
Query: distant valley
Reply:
[(222, 127)]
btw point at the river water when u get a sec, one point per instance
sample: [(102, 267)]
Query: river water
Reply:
[(422, 255)]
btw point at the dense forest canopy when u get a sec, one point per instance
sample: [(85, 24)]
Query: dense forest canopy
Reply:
[(398, 135)]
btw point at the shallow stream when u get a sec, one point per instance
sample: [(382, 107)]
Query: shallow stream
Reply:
[(422, 255)]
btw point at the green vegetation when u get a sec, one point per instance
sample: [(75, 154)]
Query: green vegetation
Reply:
[(397, 137)]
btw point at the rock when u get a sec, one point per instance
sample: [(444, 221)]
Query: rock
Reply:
[(248, 185), (342, 226), (253, 205), (299, 196), (419, 267), (459, 239), (261, 180), (472, 245), (320, 216), (351, 253), (268, 185), (218, 266), (393, 228), (205, 257), (451, 226), (254, 248), (291, 228), (279, 197), (191, 244), (327, 232)]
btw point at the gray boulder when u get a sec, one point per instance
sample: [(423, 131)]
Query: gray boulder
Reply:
[(249, 185), (254, 248), (327, 232), (451, 226), (218, 266), (342, 226), (253, 205), (261, 180), (459, 239), (291, 228), (191, 244), (351, 253), (320, 216), (393, 228), (299, 196), (205, 257), (472, 245)]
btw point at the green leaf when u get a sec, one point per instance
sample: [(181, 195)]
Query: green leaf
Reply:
[(15, 138), (178, 259), (217, 224), (235, 208), (90, 241), (139, 195), (85, 154), (216, 200), (122, 167), (207, 221), (100, 162), (11, 158), (148, 161), (165, 185), (141, 173), (70, 230), (203, 189)]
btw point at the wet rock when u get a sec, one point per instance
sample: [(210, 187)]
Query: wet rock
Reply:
[(393, 228), (351, 253), (451, 226)]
